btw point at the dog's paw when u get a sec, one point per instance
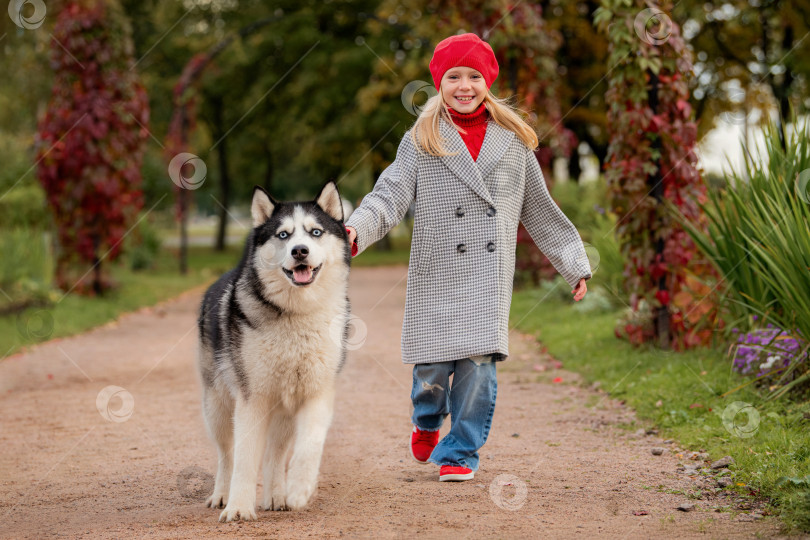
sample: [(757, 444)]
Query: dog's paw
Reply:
[(298, 496), (276, 503), (217, 500), (234, 512)]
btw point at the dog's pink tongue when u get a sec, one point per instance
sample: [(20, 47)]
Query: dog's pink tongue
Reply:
[(302, 274)]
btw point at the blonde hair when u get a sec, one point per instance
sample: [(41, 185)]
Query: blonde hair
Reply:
[(427, 135)]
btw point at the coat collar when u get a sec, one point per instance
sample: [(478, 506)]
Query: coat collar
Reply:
[(496, 141)]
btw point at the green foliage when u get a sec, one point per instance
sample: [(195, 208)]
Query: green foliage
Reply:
[(25, 268), (24, 206), (750, 55), (72, 314), (143, 245), (22, 201)]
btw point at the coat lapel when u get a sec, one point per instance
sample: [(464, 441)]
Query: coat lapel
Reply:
[(462, 163), (496, 141), (472, 173)]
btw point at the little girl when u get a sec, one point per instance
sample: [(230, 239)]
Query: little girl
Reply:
[(469, 165)]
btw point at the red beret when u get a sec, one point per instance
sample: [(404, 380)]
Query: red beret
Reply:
[(464, 50)]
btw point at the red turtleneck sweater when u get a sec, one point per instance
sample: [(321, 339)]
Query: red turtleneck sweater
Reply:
[(475, 124)]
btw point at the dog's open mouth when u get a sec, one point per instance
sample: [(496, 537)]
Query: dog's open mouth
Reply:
[(302, 274)]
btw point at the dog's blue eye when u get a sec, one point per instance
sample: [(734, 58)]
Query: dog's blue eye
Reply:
[(316, 232), (283, 235)]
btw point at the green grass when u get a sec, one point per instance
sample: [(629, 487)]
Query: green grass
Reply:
[(75, 314), (381, 258), (774, 462)]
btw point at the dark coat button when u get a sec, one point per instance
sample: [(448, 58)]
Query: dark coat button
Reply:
[(459, 211), (461, 248), (491, 246), (491, 211)]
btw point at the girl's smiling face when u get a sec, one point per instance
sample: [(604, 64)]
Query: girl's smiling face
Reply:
[(463, 89)]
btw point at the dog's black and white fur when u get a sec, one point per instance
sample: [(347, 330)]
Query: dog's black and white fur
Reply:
[(272, 339)]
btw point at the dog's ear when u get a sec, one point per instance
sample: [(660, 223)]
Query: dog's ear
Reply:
[(329, 200), (262, 206)]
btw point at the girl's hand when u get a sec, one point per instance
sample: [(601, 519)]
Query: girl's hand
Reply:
[(352, 237), (580, 290)]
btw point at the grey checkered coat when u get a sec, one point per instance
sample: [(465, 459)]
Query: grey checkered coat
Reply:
[(462, 260)]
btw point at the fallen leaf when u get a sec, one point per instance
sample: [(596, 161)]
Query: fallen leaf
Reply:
[(539, 367), (557, 380), (659, 403), (695, 406)]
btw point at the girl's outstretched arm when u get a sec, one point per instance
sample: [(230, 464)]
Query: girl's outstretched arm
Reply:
[(387, 203), (550, 229)]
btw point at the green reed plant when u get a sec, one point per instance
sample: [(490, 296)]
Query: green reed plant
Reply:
[(758, 238)]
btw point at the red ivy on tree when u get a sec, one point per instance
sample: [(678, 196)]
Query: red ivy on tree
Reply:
[(651, 158), (90, 141)]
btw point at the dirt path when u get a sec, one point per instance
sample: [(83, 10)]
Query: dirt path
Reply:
[(67, 471)]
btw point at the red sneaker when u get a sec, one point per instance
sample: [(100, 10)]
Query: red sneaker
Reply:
[(423, 443), (455, 473)]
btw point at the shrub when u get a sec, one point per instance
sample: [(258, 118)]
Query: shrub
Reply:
[(758, 238)]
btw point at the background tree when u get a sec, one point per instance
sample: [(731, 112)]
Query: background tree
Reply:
[(90, 140), (750, 56), (580, 74)]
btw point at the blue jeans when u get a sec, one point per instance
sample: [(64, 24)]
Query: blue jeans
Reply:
[(470, 403)]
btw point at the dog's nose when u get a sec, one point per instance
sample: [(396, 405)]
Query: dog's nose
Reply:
[(300, 252)]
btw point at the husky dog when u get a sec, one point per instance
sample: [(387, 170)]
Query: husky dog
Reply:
[(273, 337)]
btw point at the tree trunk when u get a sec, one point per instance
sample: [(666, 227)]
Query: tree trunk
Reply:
[(224, 177), (574, 167), (268, 171), (183, 199), (98, 288), (660, 314)]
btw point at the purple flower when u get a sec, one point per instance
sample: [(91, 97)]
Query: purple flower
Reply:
[(765, 350)]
